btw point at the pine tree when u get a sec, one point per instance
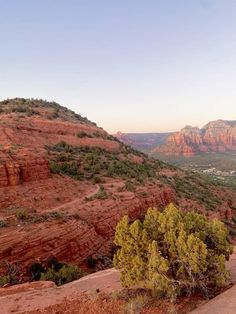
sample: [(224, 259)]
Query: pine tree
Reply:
[(172, 252)]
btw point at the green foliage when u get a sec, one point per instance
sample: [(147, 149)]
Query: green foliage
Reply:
[(4, 280), (51, 110), (101, 194), (3, 224), (55, 271), (128, 186), (10, 273), (65, 274), (56, 214), (36, 269), (171, 252), (195, 187), (81, 134), (93, 163), (22, 214), (66, 168)]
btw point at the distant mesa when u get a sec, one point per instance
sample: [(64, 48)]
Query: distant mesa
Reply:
[(215, 136)]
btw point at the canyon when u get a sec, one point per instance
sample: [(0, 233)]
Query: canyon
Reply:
[(65, 183), (216, 136)]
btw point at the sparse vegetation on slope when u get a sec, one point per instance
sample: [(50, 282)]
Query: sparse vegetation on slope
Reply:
[(51, 109), (91, 162)]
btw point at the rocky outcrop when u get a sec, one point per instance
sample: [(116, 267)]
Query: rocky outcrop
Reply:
[(216, 136), (73, 219), (17, 171), (73, 240)]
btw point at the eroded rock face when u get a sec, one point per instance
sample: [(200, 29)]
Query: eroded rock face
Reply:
[(73, 240), (85, 227), (23, 144), (14, 172), (216, 136)]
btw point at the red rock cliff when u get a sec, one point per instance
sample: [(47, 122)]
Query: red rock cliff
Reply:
[(216, 136)]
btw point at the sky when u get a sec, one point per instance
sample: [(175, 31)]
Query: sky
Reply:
[(128, 65)]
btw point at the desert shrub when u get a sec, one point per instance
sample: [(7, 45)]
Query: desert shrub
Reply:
[(62, 146), (4, 280), (101, 195), (91, 262), (3, 224), (65, 274), (130, 186), (62, 157), (66, 168), (36, 269), (136, 303), (9, 273), (196, 187), (55, 271), (97, 179), (22, 214), (172, 253), (232, 233), (56, 214), (81, 134)]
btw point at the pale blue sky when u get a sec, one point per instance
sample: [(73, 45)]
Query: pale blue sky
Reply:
[(128, 65)]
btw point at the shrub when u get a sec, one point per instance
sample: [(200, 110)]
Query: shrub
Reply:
[(81, 134), (22, 214), (129, 186), (35, 270), (91, 262), (65, 274), (4, 280), (56, 214), (3, 223), (137, 303), (172, 253), (10, 273), (66, 168), (96, 179)]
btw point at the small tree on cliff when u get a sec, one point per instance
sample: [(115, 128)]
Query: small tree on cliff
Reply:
[(171, 252)]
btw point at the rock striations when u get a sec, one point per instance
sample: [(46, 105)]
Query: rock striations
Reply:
[(55, 210), (216, 136)]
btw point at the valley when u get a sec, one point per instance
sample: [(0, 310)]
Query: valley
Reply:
[(65, 184)]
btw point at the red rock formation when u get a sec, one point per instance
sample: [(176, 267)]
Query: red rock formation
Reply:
[(216, 136), (74, 240), (14, 171), (86, 227)]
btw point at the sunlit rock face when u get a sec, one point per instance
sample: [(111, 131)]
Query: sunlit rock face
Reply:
[(216, 136)]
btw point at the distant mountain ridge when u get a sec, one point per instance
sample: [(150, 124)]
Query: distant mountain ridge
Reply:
[(143, 141), (215, 136)]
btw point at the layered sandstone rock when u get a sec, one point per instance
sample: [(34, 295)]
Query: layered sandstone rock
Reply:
[(73, 240), (19, 170), (216, 136)]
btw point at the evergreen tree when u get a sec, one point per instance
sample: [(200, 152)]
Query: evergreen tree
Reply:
[(172, 252)]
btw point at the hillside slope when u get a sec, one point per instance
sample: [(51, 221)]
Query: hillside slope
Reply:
[(65, 183)]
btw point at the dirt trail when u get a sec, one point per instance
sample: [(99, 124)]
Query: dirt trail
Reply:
[(71, 203)]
